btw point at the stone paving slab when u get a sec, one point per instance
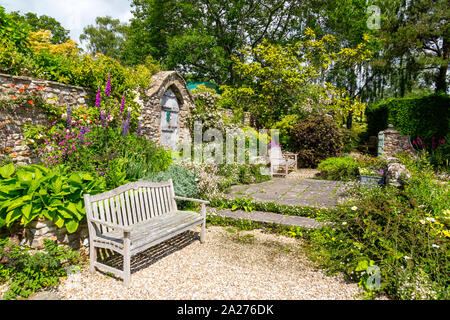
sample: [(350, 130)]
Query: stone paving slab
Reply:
[(270, 217), (293, 191)]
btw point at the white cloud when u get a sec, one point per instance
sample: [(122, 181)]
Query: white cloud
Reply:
[(73, 15)]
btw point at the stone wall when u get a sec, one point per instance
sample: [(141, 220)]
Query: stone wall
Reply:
[(151, 113), (12, 120), (37, 231), (393, 142)]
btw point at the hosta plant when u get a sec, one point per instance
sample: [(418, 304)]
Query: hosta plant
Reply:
[(35, 192)]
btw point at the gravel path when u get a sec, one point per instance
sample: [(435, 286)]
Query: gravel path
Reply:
[(230, 265)]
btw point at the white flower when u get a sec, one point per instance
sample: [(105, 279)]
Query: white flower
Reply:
[(430, 219), (354, 208), (422, 221), (64, 116), (344, 223), (407, 258), (435, 246), (129, 109)]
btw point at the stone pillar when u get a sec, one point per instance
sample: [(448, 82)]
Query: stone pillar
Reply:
[(391, 141)]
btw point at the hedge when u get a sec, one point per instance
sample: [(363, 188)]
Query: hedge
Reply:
[(423, 117)]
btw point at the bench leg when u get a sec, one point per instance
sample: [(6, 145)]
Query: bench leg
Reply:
[(126, 260), (92, 258), (202, 233)]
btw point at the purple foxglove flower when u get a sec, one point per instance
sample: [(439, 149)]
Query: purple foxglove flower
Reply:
[(108, 86), (139, 129), (122, 106), (125, 128), (98, 98), (69, 117), (129, 116)]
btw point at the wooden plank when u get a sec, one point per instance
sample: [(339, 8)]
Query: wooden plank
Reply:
[(128, 207), (172, 196), (141, 204), (168, 199), (119, 217), (123, 210), (125, 187), (107, 210), (112, 211), (133, 205), (146, 203), (158, 202), (152, 202)]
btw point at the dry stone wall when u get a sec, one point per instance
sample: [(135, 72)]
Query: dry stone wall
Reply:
[(13, 119)]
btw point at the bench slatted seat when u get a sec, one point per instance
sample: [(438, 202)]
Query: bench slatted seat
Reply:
[(135, 217)]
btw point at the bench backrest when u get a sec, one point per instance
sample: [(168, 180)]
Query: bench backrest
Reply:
[(132, 203), (276, 155)]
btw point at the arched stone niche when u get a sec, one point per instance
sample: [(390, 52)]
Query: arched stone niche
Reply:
[(167, 104)]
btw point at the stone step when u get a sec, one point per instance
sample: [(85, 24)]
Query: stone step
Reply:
[(270, 217)]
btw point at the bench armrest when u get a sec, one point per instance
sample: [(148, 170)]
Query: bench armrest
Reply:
[(110, 225), (193, 200)]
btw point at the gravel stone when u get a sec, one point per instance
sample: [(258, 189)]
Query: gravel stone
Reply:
[(230, 265)]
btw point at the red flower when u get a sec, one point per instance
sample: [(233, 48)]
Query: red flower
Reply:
[(21, 90), (41, 87), (12, 85), (26, 86), (14, 97), (31, 102)]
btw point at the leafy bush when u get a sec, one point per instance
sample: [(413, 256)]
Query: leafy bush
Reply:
[(26, 273), (340, 169), (404, 233), (242, 173), (23, 52), (316, 139), (423, 117), (184, 181), (32, 192)]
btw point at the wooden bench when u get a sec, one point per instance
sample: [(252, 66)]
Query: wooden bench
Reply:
[(135, 217), (283, 160)]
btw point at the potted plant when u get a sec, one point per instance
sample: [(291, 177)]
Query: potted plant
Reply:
[(372, 176)]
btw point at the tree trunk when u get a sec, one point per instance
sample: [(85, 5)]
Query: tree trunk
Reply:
[(441, 80)]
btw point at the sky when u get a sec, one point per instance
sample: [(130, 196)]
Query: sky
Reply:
[(73, 15)]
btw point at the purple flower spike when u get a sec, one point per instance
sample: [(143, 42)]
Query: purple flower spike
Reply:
[(98, 98), (108, 86), (122, 106), (69, 117), (125, 128), (138, 131)]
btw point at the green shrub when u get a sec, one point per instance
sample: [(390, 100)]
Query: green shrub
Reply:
[(340, 169), (404, 233), (27, 273), (31, 192), (423, 117), (316, 139), (184, 181)]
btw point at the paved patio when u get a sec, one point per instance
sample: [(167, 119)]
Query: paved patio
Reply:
[(293, 191)]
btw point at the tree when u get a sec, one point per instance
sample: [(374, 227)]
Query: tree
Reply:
[(282, 80), (419, 31), (59, 34), (107, 36), (208, 32)]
